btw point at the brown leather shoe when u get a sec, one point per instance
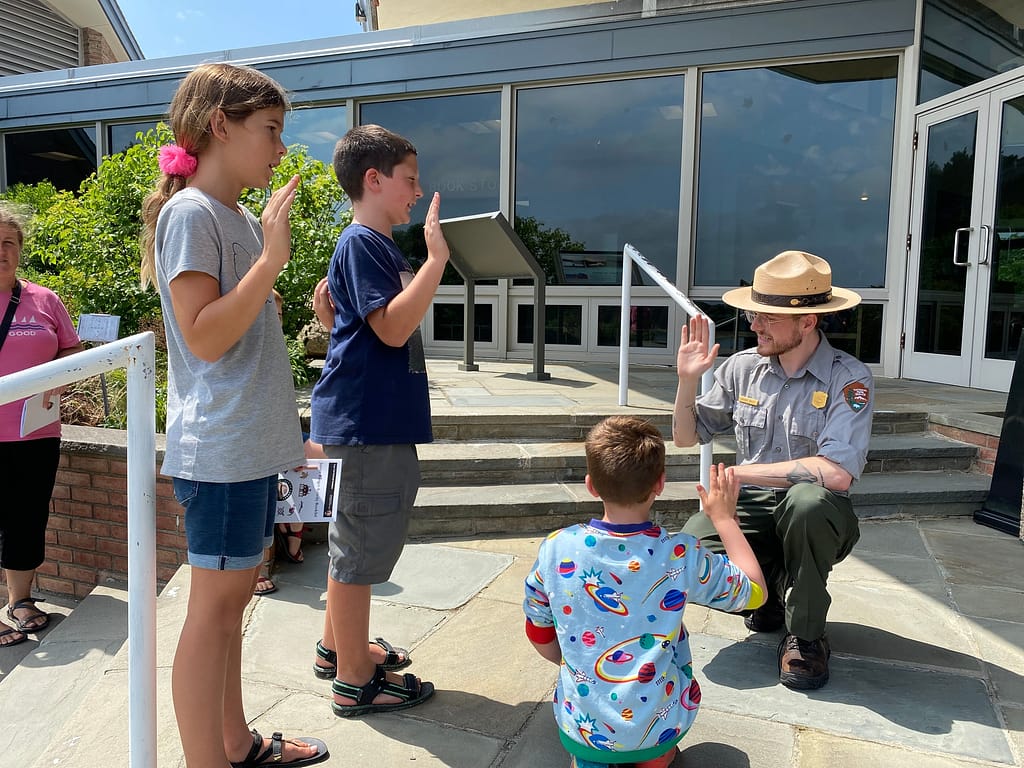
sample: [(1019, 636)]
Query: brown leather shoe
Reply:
[(803, 664), (768, 618)]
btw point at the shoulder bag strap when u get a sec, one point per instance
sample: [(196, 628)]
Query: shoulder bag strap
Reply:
[(5, 327)]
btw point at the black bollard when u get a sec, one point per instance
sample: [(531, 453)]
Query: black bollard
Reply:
[(1001, 509)]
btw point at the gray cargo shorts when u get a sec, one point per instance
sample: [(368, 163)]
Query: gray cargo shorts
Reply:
[(378, 490)]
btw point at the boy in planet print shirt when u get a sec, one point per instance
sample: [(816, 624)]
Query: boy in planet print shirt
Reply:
[(605, 601)]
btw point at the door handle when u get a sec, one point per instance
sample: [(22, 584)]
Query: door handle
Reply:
[(986, 244), (956, 246)]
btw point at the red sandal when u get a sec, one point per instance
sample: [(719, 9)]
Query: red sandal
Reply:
[(285, 535)]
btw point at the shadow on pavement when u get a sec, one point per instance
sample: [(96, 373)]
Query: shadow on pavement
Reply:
[(925, 700)]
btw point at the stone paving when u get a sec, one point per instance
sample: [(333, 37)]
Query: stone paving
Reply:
[(928, 666), (927, 628)]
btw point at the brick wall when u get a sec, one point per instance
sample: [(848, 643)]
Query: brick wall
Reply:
[(87, 537), (987, 444), (95, 49)]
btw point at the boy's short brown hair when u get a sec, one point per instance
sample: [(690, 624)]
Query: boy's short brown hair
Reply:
[(625, 458), (365, 147)]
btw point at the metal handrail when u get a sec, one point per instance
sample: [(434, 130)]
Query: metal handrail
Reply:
[(631, 256), (137, 354)]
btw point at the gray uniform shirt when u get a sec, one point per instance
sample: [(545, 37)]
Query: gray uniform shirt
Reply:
[(824, 409), (235, 419)]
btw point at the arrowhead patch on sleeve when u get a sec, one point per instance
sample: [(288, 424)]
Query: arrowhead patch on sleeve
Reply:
[(857, 396)]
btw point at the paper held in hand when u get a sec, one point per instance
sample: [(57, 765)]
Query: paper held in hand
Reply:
[(35, 415), (309, 494)]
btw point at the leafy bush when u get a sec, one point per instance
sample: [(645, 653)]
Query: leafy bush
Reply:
[(85, 247)]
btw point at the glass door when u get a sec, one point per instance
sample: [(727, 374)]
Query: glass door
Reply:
[(966, 270)]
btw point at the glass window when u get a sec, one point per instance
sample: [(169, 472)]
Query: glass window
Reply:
[(796, 157), (967, 41), (449, 322), (597, 166), (65, 157), (458, 151), (563, 324), (317, 128), (1006, 287), (648, 326), (122, 136)]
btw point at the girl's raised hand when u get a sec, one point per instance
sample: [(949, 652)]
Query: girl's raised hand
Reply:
[(277, 230)]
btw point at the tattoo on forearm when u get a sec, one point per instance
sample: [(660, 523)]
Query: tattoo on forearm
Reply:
[(801, 474), (693, 413)]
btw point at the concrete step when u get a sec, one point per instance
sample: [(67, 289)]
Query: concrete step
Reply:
[(45, 689), (542, 507), (555, 424), (448, 463), (535, 424)]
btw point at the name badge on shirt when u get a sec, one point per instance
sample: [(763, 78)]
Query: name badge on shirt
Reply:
[(819, 399), (748, 400)]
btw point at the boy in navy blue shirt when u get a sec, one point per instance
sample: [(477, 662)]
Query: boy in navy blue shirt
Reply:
[(370, 408)]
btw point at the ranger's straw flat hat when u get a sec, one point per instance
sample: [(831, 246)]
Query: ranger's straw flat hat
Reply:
[(793, 283)]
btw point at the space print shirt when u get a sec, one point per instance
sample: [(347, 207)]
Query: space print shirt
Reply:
[(614, 595)]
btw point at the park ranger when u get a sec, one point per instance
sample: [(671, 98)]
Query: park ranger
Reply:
[(801, 414)]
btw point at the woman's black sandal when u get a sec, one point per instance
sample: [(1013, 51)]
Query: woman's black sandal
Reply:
[(393, 659), (25, 625), (410, 693)]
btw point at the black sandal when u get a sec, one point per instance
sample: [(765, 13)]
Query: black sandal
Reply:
[(23, 625), (393, 660), (258, 756), (10, 631), (410, 692), (284, 535)]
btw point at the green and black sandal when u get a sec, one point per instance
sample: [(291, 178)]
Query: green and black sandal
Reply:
[(394, 659), (410, 692)]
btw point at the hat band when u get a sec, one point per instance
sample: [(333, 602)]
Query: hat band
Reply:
[(780, 300)]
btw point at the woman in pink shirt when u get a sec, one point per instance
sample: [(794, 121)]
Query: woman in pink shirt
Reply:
[(35, 329)]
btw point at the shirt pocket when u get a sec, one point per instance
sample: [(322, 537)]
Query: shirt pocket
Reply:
[(751, 432), (805, 430)]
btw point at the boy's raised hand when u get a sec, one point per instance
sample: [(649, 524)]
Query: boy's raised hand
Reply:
[(323, 304), (719, 502), (437, 246)]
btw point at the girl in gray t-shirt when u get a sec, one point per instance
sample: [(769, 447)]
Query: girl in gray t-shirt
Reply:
[(231, 424)]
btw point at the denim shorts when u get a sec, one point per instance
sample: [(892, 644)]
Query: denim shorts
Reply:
[(378, 489), (227, 525)]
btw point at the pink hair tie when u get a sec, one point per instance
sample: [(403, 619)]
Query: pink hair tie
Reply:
[(176, 161)]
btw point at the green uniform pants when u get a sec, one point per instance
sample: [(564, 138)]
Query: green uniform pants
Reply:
[(797, 534)]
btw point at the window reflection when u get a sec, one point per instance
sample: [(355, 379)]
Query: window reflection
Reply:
[(458, 146), (64, 157), (597, 166), (317, 128), (1006, 290), (796, 157), (563, 324), (648, 326), (948, 195), (450, 322), (122, 136), (967, 41)]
